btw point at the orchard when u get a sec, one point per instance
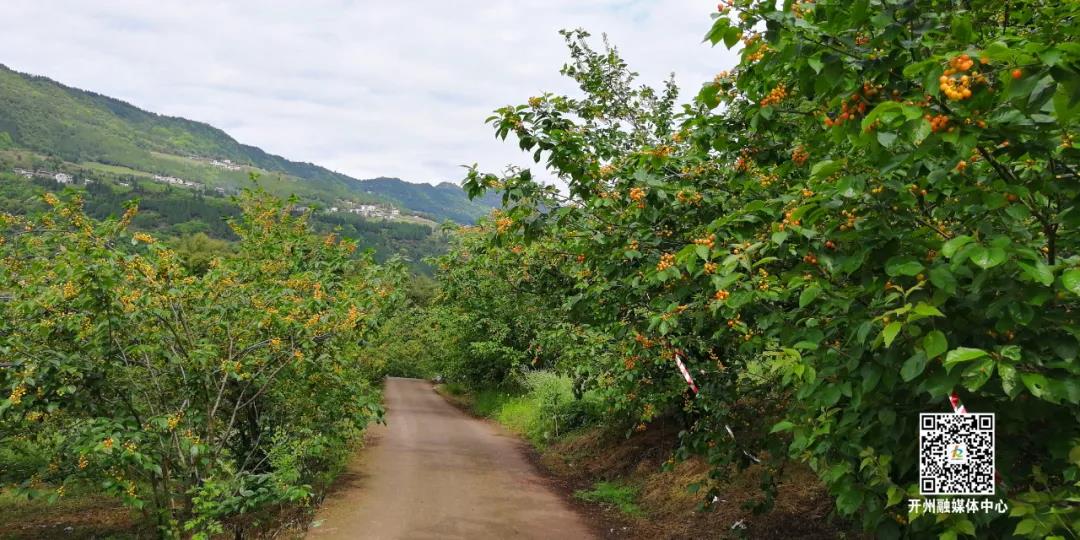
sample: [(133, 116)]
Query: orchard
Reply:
[(875, 209), (195, 396)]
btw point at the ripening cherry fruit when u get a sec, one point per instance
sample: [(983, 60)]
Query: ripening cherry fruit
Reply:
[(1016, 74)]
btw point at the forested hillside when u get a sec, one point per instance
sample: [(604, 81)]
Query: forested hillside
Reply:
[(176, 213), (78, 126)]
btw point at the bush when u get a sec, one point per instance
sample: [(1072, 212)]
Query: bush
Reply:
[(540, 407), (557, 410)]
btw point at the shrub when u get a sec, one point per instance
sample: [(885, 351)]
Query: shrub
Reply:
[(541, 407)]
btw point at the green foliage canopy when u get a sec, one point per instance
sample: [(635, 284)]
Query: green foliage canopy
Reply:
[(875, 208), (193, 395)]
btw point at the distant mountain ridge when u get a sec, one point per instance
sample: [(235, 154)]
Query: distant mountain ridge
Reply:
[(80, 126), (429, 199)]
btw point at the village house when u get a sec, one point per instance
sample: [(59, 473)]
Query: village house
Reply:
[(225, 164), (172, 180)]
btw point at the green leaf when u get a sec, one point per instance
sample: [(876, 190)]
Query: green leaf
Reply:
[(871, 374), (849, 500), (781, 426), (1025, 527), (830, 394), (824, 169), (731, 36), (716, 33), (886, 417), (1009, 382), (961, 30), (986, 258), (1012, 352), (965, 526), (890, 332), (1038, 385), (1071, 280), (913, 367), (976, 374), (886, 138), (1064, 104), (808, 295), (912, 71), (935, 344), (948, 249), (884, 112), (895, 495), (922, 308), (998, 51), (903, 266), (1040, 272), (943, 279), (962, 354)]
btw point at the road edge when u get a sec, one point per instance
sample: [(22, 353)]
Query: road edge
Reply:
[(599, 519)]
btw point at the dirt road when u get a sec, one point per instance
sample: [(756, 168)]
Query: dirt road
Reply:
[(435, 472)]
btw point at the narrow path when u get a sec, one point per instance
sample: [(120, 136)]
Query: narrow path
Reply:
[(435, 472)]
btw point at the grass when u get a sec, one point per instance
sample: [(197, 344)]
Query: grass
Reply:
[(542, 408), (615, 494), (516, 411), (521, 415), (489, 402), (455, 388)]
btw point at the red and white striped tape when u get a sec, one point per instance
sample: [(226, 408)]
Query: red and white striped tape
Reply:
[(690, 381), (957, 407), (685, 373)]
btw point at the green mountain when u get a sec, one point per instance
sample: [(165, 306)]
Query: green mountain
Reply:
[(444, 200), (96, 131)]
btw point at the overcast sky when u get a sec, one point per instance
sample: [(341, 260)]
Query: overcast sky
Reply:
[(392, 88)]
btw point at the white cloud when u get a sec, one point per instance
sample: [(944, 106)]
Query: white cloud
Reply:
[(367, 88)]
